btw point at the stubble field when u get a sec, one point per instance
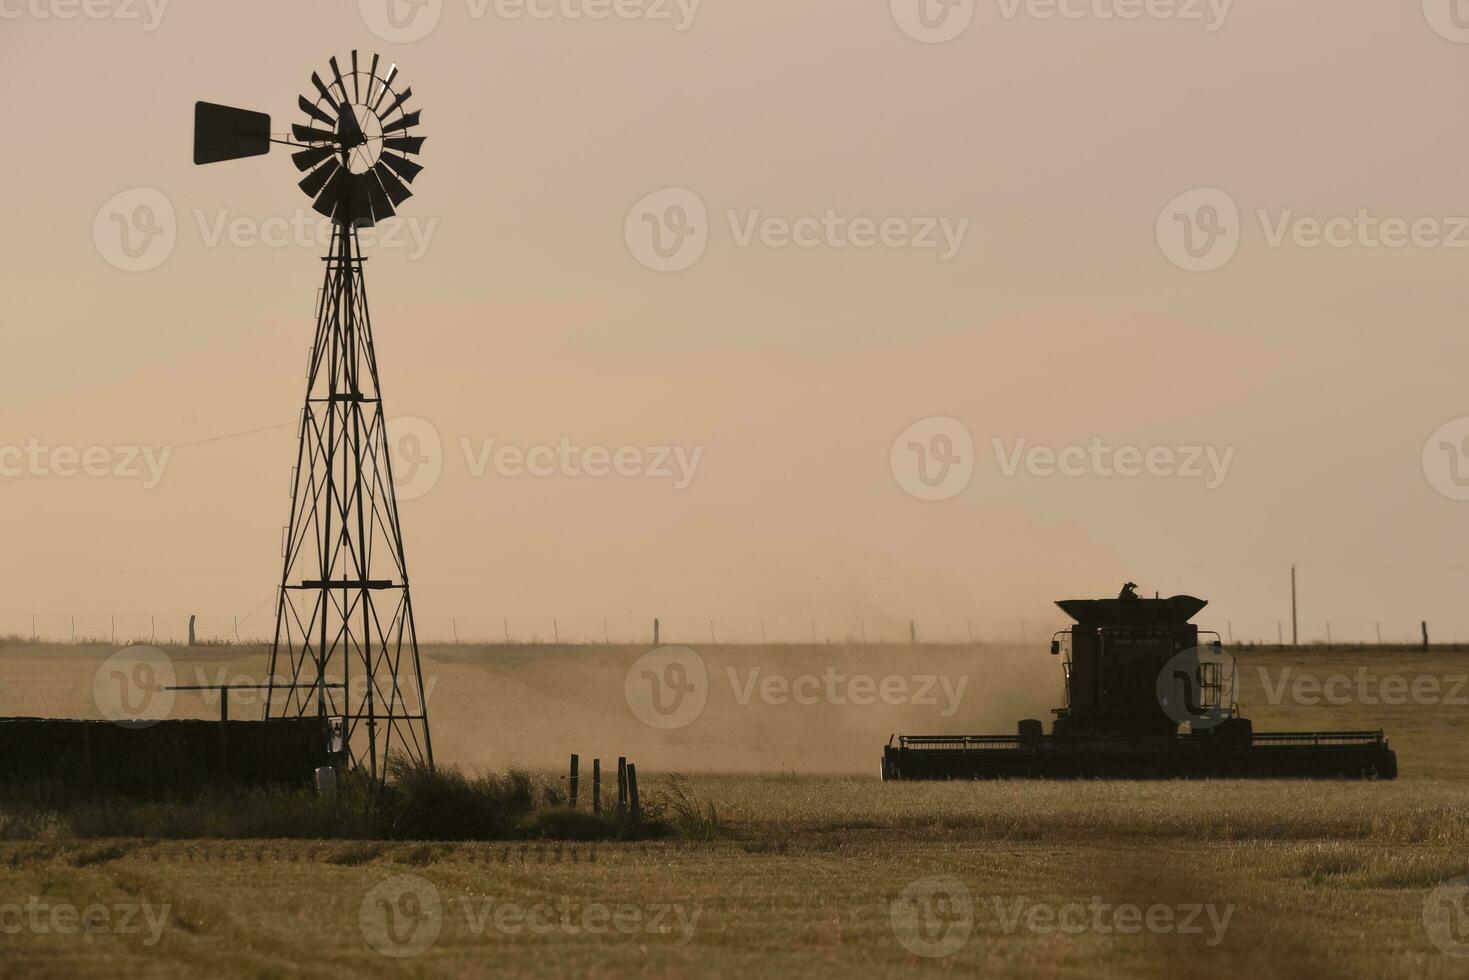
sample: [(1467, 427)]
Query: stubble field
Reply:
[(815, 867)]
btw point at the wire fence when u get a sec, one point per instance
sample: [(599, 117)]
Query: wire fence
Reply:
[(259, 627)]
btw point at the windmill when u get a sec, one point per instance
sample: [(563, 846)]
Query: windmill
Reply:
[(345, 645)]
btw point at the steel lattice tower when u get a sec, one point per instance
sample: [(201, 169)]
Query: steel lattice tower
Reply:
[(345, 644)]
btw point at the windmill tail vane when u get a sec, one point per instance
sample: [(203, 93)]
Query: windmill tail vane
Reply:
[(345, 644)]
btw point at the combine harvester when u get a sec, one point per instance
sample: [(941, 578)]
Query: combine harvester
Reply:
[(1143, 701)]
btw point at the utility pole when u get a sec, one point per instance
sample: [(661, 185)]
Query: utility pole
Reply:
[(1295, 638)]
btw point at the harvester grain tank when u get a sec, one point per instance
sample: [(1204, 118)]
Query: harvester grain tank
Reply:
[(1145, 699)]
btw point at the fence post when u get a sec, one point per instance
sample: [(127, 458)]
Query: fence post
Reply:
[(912, 632), (73, 628), (454, 625), (605, 638), (655, 631), (632, 793), (1424, 624), (1328, 633), (969, 628), (597, 786), (1379, 632), (711, 631), (191, 629), (621, 784), (762, 633), (575, 778), (114, 629)]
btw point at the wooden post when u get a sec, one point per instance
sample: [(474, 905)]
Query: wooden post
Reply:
[(1328, 633), (711, 631), (454, 625), (912, 632), (224, 730), (621, 784), (597, 786), (1229, 631), (655, 631), (762, 632), (1424, 624), (575, 778), (555, 631), (632, 793), (605, 638), (1379, 632), (191, 629), (969, 627)]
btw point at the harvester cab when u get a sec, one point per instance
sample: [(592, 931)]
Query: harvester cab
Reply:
[(1135, 666), (1144, 699)]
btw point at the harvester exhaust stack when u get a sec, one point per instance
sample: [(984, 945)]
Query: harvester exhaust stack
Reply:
[(1144, 700)]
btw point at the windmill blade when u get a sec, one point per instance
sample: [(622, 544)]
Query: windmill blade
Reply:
[(325, 95), (311, 110), (391, 184), (405, 144), (402, 166), (331, 196), (307, 159), (314, 181), (371, 76), (409, 120), (337, 74), (355, 90), (398, 101), (387, 82), (308, 135), (381, 207)]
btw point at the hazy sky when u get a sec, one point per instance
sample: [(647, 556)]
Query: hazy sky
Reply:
[(516, 302)]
